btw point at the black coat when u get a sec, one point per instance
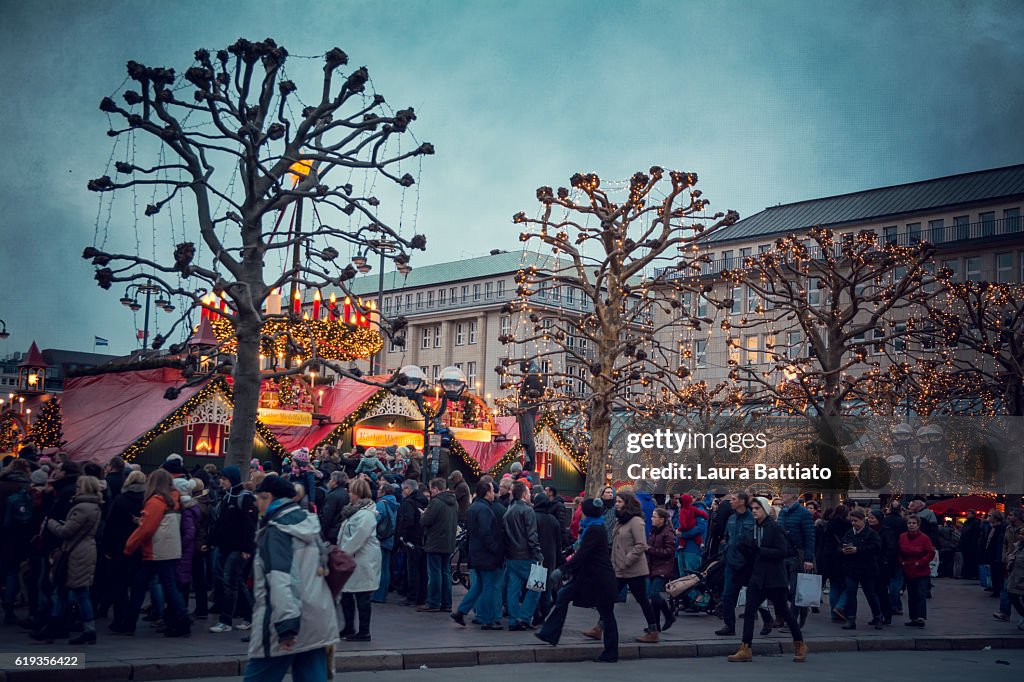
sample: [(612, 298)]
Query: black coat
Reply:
[(549, 534), (765, 546), (970, 538), (115, 480), (121, 519), (330, 513), (862, 564), (408, 527), (485, 536), (591, 566), (832, 565), (439, 523)]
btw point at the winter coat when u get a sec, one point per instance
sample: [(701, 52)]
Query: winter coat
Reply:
[(234, 521), (159, 533), (115, 482), (862, 564), (371, 465), (485, 536), (574, 525), (692, 524), (358, 538), (15, 538), (189, 521), (609, 520), (203, 521), (992, 552), (916, 553), (521, 539), (889, 554), (439, 522), (766, 547), (121, 519), (1010, 539), (561, 514), (1015, 578), (292, 600), (330, 513), (647, 507), (592, 566), (410, 509), (970, 538), (736, 529), (549, 534), (629, 547), (462, 497), (78, 540), (831, 564), (387, 504), (58, 506), (798, 522), (661, 552)]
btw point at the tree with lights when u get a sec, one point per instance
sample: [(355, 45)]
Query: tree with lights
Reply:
[(237, 142), (48, 429), (830, 308), (630, 260)]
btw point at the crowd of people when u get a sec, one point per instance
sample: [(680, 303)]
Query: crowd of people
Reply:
[(174, 547)]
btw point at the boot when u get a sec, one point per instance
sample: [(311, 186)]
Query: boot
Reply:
[(742, 655), (596, 632), (651, 637), (86, 637), (799, 652)]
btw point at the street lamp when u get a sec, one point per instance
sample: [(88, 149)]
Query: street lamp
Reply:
[(130, 301), (3, 330), (381, 247), (452, 383)]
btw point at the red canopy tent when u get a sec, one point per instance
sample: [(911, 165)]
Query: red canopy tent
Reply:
[(339, 401), (958, 505), (488, 454)]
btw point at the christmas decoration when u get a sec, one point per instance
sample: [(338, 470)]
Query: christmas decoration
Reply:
[(47, 430)]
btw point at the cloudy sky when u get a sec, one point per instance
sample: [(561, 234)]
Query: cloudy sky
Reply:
[(769, 102)]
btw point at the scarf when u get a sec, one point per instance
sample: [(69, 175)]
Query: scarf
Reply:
[(590, 522), (350, 509)]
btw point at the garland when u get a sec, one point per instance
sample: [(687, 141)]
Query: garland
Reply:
[(578, 457)]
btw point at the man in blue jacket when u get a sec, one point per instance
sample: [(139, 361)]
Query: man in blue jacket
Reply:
[(486, 559), (798, 522), (386, 504), (740, 524)]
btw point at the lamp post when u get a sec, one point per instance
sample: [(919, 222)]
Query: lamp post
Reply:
[(3, 330), (452, 384), (381, 247), (130, 301), (902, 434), (928, 437)]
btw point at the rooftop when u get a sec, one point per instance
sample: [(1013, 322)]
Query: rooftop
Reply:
[(880, 203)]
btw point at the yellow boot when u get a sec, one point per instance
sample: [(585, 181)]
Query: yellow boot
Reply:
[(742, 655), (799, 652), (595, 632)]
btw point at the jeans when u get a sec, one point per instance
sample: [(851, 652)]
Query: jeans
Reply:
[(837, 594), (439, 581), (687, 562), (350, 601), (658, 603), (1004, 600), (730, 593), (917, 597), (308, 666), (552, 630), (518, 571), (164, 572), (381, 595), (415, 575), (852, 583), (779, 597), (235, 597), (895, 591), (483, 595), (80, 595)]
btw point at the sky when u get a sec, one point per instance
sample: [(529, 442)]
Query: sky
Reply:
[(769, 102)]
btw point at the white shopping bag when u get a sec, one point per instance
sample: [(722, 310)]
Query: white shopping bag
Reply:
[(934, 565), (538, 580), (741, 600), (808, 589)]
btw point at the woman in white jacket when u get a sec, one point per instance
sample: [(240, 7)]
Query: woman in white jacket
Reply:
[(358, 538)]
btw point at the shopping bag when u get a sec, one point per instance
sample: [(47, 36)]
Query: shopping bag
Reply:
[(741, 600), (933, 565), (808, 589), (538, 580)]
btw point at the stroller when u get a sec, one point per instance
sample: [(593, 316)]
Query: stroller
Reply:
[(699, 591)]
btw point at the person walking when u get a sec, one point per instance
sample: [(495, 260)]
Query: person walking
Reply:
[(234, 536), (459, 487), (159, 537), (522, 550), (189, 524), (1015, 578), (410, 534), (661, 551), (833, 565), (915, 554), (336, 500), (861, 547), (75, 568), (590, 582), (608, 511), (439, 522), (549, 534), (888, 562), (896, 525), (200, 583), (486, 557), (740, 522), (294, 616), (970, 542), (692, 522), (766, 548), (798, 522), (992, 551), (358, 539)]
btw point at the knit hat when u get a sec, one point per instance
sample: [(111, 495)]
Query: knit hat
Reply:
[(174, 465), (593, 507), (38, 477), (878, 515), (232, 473), (766, 504), (184, 487), (685, 500), (278, 487), (301, 456)]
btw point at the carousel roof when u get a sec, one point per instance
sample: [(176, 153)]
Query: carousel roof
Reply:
[(34, 358)]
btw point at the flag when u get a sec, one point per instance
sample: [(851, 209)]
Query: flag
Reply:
[(140, 334), (100, 341)]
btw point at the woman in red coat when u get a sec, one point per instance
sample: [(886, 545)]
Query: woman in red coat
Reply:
[(916, 553), (661, 552)]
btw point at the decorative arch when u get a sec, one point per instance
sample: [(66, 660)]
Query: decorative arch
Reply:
[(394, 406)]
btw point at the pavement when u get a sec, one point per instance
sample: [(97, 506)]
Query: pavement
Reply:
[(960, 619)]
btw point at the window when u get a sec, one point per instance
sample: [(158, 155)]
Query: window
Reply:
[(914, 232), (1011, 220), (744, 255), (737, 300), (953, 265), (387, 305), (556, 293), (962, 227), (753, 352), (419, 300), (471, 375), (877, 347), (435, 372), (437, 336), (440, 297), (769, 348), (488, 289), (988, 223), (426, 370), (763, 248), (392, 347), (408, 301), (425, 337), (542, 290), (899, 343), (452, 297), (734, 352), (972, 269), (702, 303), (727, 260), (700, 353), (937, 231), (813, 293), (465, 293), (501, 288), (570, 296), (1004, 267), (472, 332), (458, 365), (506, 325), (476, 292), (430, 298), (752, 300), (460, 334), (398, 304), (889, 235), (794, 345)]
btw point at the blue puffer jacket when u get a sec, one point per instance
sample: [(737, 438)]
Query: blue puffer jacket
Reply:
[(389, 505), (647, 506), (799, 525)]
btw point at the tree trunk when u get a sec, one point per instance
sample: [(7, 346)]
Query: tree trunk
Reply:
[(246, 390), (597, 461)]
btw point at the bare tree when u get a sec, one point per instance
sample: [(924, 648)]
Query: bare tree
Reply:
[(238, 127), (630, 261)]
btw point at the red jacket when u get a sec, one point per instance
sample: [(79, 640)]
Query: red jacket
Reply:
[(916, 553), (152, 515), (574, 527), (661, 552)]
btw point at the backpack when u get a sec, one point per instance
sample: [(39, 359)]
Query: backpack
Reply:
[(19, 509), (385, 524)]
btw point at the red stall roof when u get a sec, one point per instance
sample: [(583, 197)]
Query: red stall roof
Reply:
[(488, 454), (339, 401)]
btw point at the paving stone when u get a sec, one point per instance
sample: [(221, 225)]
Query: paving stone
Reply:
[(669, 650), (822, 645), (439, 658), (885, 644), (180, 668), (505, 656), (370, 660), (933, 644), (570, 652)]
